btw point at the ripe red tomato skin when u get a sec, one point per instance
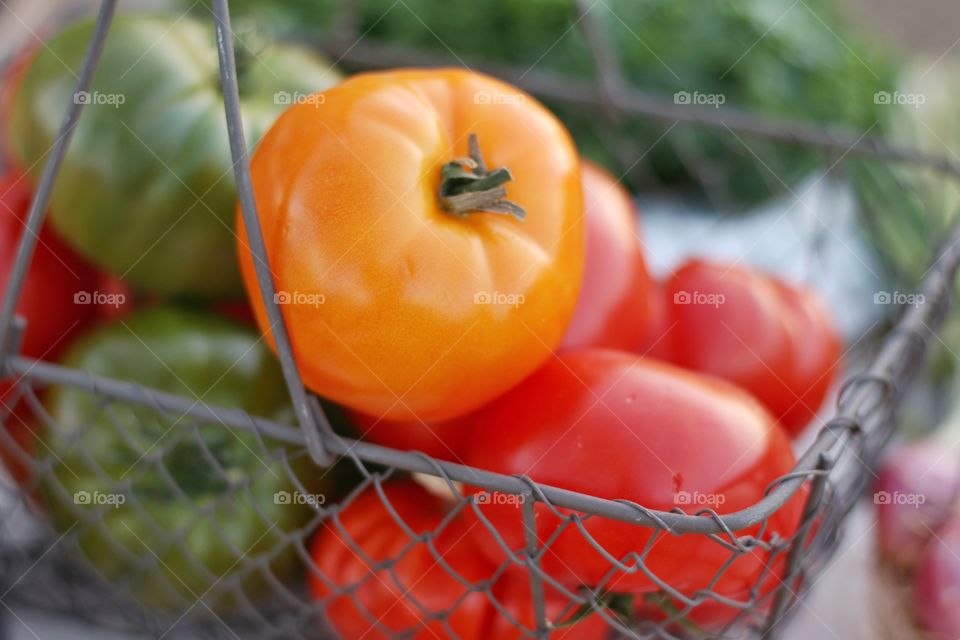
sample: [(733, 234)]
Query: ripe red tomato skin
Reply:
[(817, 359), (372, 529), (613, 307), (122, 297), (658, 430), (512, 591), (655, 341), (443, 440), (774, 340), (55, 276), (377, 537)]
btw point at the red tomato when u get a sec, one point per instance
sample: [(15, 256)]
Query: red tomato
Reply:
[(238, 310), (712, 614), (398, 597), (444, 440), (613, 306), (368, 534), (617, 426), (58, 293), (817, 356), (512, 591), (654, 341), (118, 298), (776, 341)]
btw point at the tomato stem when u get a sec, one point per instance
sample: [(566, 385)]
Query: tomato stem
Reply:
[(466, 186)]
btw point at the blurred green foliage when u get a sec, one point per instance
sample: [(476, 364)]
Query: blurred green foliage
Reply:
[(908, 210), (797, 60)]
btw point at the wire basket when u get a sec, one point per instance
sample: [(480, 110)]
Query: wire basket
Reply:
[(48, 564)]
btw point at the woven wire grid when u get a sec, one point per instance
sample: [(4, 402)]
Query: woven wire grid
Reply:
[(257, 594)]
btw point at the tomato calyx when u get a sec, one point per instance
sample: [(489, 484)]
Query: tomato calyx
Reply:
[(467, 185)]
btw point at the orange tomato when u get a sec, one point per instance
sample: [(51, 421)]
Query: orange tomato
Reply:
[(406, 293)]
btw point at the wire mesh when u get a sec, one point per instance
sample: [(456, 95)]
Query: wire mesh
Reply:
[(327, 536)]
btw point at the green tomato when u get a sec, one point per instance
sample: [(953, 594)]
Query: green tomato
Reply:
[(147, 190), (176, 508)]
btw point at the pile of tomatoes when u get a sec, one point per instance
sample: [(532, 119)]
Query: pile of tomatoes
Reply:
[(462, 283), (527, 339)]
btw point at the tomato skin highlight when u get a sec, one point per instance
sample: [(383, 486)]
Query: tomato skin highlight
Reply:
[(776, 341), (397, 308), (616, 426), (614, 307)]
